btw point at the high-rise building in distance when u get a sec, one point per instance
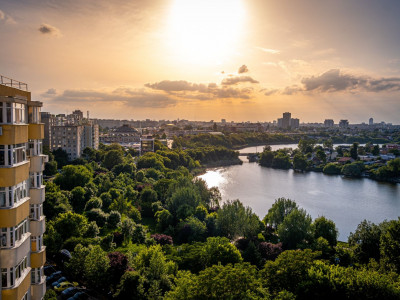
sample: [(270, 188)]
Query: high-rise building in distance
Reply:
[(286, 119), (22, 193), (371, 121), (329, 123)]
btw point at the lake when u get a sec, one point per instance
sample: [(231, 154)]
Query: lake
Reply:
[(346, 201)]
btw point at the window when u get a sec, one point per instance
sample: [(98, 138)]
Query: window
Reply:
[(35, 147), (36, 179), (11, 275), (37, 243), (34, 114), (36, 211), (12, 235), (11, 155), (12, 113), (36, 275), (9, 196)]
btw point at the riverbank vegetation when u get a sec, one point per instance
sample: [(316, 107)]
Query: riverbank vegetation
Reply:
[(146, 228), (373, 161)]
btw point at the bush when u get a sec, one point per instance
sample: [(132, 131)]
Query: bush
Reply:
[(162, 239)]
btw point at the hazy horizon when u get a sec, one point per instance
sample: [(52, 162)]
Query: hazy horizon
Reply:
[(207, 59)]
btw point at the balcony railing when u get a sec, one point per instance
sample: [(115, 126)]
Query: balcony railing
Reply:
[(13, 83)]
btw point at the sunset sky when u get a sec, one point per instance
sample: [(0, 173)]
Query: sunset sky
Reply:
[(207, 59)]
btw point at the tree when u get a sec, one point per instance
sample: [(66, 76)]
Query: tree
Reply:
[(332, 169), (320, 154), (118, 266), (127, 228), (96, 265), (306, 145), (278, 212), (183, 202), (164, 219), (375, 150), (114, 219), (328, 144), (390, 245), (70, 224), (94, 202), (295, 229), (50, 168), (300, 162), (97, 215), (234, 220), (72, 176), (147, 198), (240, 281), (156, 271), (354, 169), (113, 158), (325, 228), (354, 151), (130, 287), (191, 230), (61, 157), (266, 158), (366, 241), (218, 250)]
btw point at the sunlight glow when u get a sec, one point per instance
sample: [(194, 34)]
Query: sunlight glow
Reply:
[(205, 31)]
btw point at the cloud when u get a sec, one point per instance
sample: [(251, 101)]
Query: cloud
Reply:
[(238, 79), (127, 96), (5, 18), (49, 93), (243, 69), (187, 90), (336, 81), (270, 51), (49, 30)]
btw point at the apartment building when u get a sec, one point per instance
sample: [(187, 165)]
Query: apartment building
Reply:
[(22, 193)]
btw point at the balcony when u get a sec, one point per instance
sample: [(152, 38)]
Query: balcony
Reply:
[(38, 290), (12, 256), (38, 259), (13, 88), (38, 227), (36, 131), (37, 195), (37, 163), (19, 291), (14, 134), (10, 217), (13, 175)]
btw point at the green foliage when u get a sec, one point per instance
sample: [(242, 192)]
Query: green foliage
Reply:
[(390, 245), (114, 219), (354, 169), (191, 230), (332, 169), (306, 145), (164, 219), (147, 197), (72, 176), (278, 212), (50, 295), (94, 202), (183, 202), (50, 168), (366, 241), (235, 220), (97, 215), (300, 162), (69, 224), (130, 287), (95, 266), (325, 228), (157, 273), (240, 281), (92, 230), (295, 229), (354, 151), (113, 158)]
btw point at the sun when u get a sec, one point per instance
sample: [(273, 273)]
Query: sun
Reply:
[(205, 31)]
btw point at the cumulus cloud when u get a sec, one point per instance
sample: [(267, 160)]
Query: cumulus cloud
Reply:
[(49, 30), (336, 81), (238, 79), (127, 96), (187, 90), (243, 69)]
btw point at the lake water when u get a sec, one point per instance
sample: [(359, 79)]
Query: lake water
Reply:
[(346, 201)]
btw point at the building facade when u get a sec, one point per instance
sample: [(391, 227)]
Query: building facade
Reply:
[(22, 193)]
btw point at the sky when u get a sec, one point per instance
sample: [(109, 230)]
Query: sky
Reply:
[(241, 60)]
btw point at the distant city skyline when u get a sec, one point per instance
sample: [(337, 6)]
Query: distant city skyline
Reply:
[(207, 59)]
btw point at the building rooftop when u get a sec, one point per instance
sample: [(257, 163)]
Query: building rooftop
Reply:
[(13, 83)]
